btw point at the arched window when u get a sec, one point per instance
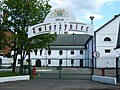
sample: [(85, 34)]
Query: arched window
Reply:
[(107, 39), (49, 52), (60, 52)]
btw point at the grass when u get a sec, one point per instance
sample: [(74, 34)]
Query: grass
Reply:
[(7, 74)]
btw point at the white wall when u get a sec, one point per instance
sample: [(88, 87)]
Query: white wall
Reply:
[(55, 57), (111, 31)]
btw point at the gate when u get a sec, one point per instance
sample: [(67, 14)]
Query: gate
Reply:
[(73, 70), (118, 69)]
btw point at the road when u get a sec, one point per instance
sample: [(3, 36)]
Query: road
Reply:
[(57, 84)]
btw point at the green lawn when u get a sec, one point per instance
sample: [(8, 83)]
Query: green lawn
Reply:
[(6, 74)]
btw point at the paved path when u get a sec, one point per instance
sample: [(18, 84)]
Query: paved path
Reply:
[(56, 84)]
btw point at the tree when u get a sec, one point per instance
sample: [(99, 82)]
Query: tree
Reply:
[(5, 33), (21, 15)]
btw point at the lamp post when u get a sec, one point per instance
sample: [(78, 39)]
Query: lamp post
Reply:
[(91, 18)]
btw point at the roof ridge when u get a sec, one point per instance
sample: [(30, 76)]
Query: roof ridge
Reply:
[(115, 16)]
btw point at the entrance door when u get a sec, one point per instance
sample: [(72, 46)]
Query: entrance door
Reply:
[(81, 62), (38, 63)]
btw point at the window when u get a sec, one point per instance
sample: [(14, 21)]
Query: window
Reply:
[(107, 39), (27, 60), (54, 26), (40, 29), (72, 52), (70, 26), (59, 26), (49, 52), (33, 30), (40, 52), (50, 27), (49, 61), (81, 51), (60, 52), (107, 51), (60, 61), (19, 61), (72, 61)]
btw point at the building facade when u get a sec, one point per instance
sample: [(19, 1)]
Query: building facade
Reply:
[(72, 46), (77, 44), (105, 41)]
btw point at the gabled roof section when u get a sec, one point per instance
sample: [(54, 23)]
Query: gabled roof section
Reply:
[(108, 22), (118, 39)]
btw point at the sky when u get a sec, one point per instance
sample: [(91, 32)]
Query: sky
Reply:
[(102, 10)]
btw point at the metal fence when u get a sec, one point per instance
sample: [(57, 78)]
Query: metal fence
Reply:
[(79, 70), (109, 70)]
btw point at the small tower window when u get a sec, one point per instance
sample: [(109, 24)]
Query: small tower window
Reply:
[(107, 39)]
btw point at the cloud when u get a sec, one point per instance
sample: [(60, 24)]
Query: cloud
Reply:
[(83, 7), (96, 16)]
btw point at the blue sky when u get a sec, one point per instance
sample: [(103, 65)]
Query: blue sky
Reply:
[(102, 10)]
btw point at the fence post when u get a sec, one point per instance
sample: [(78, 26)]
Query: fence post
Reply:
[(60, 62), (117, 75), (103, 72)]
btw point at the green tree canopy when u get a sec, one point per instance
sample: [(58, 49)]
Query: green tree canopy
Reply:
[(20, 15)]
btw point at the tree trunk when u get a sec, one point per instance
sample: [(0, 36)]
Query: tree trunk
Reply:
[(21, 61), (15, 54), (14, 62)]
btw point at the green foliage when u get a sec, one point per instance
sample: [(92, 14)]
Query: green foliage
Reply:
[(22, 14), (19, 15)]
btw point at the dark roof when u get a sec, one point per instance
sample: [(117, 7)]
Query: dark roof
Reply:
[(108, 22), (71, 40), (118, 40)]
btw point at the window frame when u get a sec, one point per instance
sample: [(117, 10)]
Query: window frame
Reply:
[(107, 50), (107, 39)]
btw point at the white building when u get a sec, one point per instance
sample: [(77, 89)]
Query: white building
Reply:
[(105, 41), (73, 45), (73, 40)]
